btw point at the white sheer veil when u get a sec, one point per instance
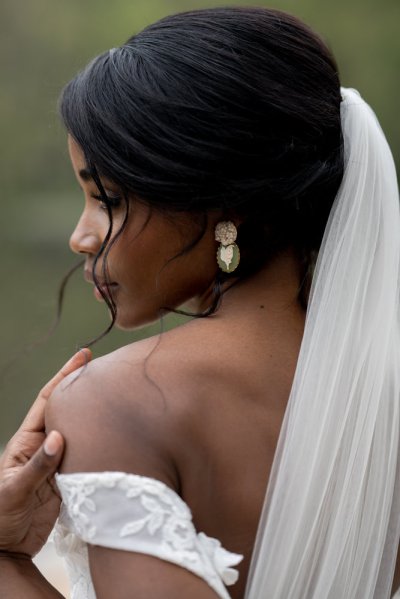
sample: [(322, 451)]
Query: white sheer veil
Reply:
[(330, 523)]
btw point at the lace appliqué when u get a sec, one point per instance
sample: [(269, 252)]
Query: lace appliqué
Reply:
[(75, 553), (136, 513)]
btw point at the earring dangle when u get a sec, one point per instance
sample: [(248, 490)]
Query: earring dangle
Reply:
[(228, 254)]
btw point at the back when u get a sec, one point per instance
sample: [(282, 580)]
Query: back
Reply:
[(199, 408)]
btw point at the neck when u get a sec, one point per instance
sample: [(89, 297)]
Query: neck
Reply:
[(275, 285)]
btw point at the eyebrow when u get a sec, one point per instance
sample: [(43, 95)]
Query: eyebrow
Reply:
[(85, 174)]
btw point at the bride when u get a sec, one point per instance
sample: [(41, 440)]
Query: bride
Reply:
[(255, 447)]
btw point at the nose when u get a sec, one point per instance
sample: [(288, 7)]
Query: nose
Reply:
[(85, 238)]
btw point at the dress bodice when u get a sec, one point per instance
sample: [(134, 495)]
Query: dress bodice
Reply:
[(138, 514)]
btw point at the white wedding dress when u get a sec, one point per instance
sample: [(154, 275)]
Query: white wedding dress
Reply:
[(138, 514)]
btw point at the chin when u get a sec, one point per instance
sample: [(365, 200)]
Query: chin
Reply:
[(131, 322)]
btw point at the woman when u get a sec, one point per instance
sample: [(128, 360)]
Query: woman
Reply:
[(226, 132)]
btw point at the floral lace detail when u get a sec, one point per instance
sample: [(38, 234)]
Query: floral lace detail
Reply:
[(74, 551), (221, 558), (136, 513)]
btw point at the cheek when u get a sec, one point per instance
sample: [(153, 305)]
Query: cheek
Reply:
[(190, 275), (152, 275), (138, 267)]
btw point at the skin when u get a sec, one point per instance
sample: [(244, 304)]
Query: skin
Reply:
[(199, 408), (193, 408)]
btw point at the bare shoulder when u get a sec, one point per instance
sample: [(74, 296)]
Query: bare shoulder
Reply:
[(123, 411), (114, 416), (131, 410)]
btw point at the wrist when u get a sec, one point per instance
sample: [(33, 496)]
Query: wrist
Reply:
[(14, 556), (14, 562), (19, 577)]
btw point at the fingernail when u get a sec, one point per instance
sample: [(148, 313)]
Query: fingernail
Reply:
[(52, 444), (85, 351)]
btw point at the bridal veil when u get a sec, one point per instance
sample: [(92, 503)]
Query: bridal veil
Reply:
[(330, 523)]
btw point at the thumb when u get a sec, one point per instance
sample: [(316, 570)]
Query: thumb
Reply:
[(43, 463)]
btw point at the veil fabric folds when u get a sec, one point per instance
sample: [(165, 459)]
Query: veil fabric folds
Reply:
[(330, 523)]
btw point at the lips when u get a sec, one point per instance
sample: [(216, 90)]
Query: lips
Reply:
[(107, 289), (87, 275)]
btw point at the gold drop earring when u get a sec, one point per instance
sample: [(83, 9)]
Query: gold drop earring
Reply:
[(228, 253)]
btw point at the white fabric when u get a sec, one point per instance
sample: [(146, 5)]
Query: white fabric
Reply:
[(330, 524), (133, 513)]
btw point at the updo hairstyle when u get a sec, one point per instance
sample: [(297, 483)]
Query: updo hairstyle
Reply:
[(228, 109)]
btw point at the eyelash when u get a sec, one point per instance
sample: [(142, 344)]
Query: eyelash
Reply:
[(110, 201)]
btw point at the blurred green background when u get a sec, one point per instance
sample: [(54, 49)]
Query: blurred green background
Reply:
[(42, 45)]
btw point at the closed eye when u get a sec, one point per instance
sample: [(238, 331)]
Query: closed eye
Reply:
[(108, 200)]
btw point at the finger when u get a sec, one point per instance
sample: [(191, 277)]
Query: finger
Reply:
[(82, 357), (42, 465), (34, 420)]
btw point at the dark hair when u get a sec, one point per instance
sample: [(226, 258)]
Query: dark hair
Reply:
[(232, 109)]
